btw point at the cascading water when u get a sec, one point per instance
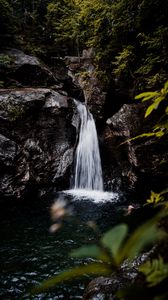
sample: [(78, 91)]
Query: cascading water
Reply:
[(88, 181), (88, 170)]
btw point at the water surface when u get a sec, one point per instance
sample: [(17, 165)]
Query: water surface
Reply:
[(29, 253)]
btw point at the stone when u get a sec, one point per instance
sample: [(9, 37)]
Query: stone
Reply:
[(128, 120), (39, 152), (64, 163), (8, 151), (82, 71), (24, 70), (15, 103), (55, 99), (103, 288), (20, 58), (133, 162)]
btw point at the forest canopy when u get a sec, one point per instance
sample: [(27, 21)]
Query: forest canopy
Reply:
[(129, 36)]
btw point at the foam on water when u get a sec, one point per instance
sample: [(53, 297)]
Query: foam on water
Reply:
[(93, 195)]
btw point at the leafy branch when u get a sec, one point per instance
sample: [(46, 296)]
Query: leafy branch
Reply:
[(155, 271), (155, 97), (110, 252)]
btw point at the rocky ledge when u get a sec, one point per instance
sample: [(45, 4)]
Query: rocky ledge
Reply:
[(133, 165), (36, 140)]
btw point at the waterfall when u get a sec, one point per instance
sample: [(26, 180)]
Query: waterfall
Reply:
[(88, 171)]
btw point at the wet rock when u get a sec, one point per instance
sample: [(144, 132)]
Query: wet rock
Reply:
[(134, 162), (64, 163), (15, 103), (106, 288), (82, 72), (20, 69), (128, 120), (36, 141), (20, 58), (8, 151), (55, 99), (103, 288)]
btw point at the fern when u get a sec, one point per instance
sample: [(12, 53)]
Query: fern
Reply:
[(155, 271), (156, 198)]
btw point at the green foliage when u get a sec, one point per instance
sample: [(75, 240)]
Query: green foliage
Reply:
[(6, 17), (92, 269), (5, 61), (60, 24), (129, 36), (155, 271), (111, 251), (1, 84), (124, 62), (15, 112), (156, 198), (161, 128), (152, 68), (114, 239), (86, 251), (155, 97)]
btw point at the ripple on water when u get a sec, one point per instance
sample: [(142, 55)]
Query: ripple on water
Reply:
[(29, 253)]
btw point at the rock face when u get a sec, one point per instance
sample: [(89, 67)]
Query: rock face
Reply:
[(37, 137), (83, 74), (103, 288), (8, 151), (106, 288), (20, 70), (36, 148), (137, 163)]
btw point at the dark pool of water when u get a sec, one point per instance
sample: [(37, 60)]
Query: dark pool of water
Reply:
[(30, 254)]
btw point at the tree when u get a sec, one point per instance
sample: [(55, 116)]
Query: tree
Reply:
[(7, 22)]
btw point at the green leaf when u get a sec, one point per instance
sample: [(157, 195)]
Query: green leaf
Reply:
[(87, 251), (166, 110), (150, 109), (155, 198), (92, 269), (155, 271), (159, 133), (147, 94), (162, 125), (114, 238), (147, 98), (164, 191), (145, 235), (166, 86)]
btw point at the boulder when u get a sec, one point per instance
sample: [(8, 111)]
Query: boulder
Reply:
[(131, 163), (36, 141), (106, 288), (102, 288), (15, 103), (21, 70)]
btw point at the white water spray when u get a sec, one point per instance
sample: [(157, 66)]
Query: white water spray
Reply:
[(88, 171)]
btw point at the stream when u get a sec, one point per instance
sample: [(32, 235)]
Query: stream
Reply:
[(29, 253)]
